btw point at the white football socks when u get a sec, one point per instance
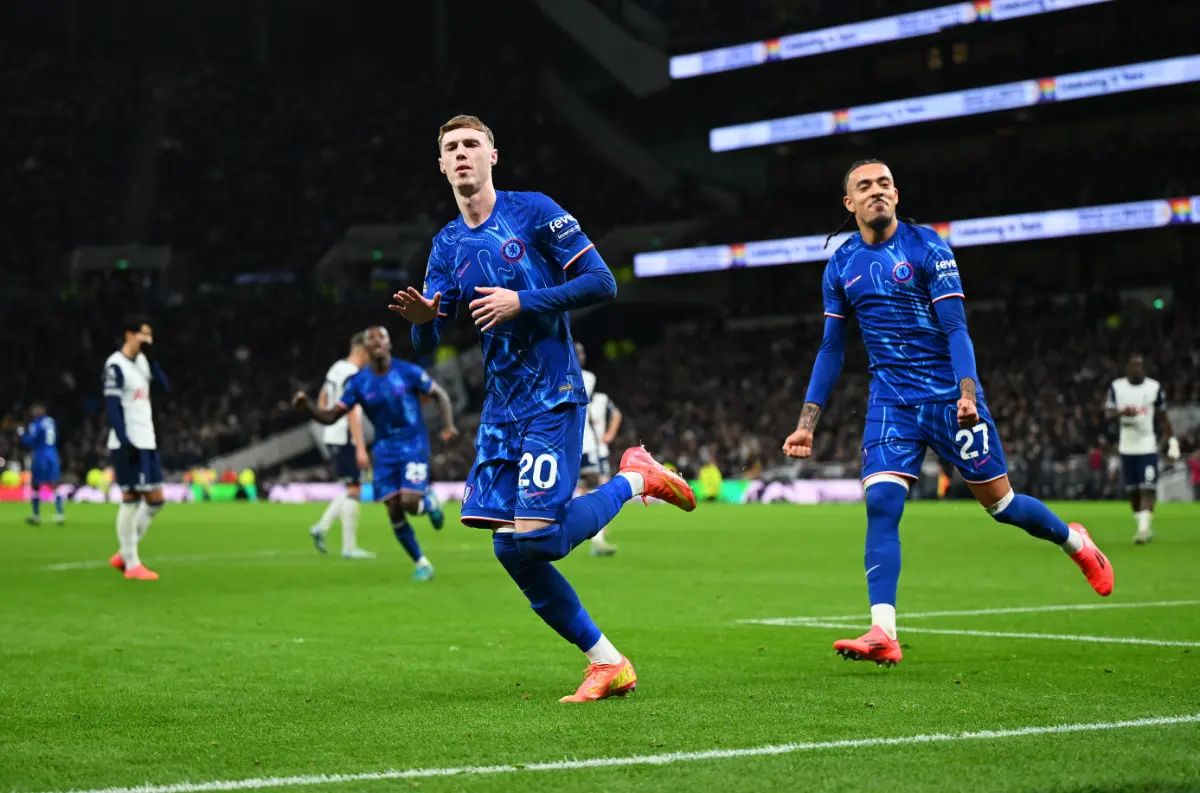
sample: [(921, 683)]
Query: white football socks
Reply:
[(601, 536), (145, 514), (1073, 544), (603, 652), (330, 514), (637, 482), (349, 523), (127, 537), (884, 615), (1143, 519)]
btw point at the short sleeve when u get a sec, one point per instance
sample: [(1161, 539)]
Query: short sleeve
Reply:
[(424, 383), (439, 278), (350, 394), (556, 232), (832, 293), (941, 273), (114, 380)]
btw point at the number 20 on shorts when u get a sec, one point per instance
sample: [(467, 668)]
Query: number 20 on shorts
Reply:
[(544, 470)]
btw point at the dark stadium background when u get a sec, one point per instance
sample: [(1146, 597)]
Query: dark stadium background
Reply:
[(205, 161)]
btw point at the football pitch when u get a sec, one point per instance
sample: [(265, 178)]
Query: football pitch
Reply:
[(255, 663)]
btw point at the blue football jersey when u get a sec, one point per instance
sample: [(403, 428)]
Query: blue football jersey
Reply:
[(41, 435), (528, 242), (891, 288), (392, 401)]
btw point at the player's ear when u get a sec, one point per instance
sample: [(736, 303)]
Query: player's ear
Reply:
[(495, 156), (896, 190), (441, 164), (848, 204)]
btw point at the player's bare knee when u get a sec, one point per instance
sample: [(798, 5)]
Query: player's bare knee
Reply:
[(997, 507), (522, 525), (395, 509), (410, 503)]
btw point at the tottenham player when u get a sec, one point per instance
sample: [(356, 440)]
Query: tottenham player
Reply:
[(347, 449), (1137, 401), (903, 284), (601, 426), (518, 263), (41, 438), (389, 391), (128, 375)]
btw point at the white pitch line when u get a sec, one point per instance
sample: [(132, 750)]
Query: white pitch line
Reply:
[(1018, 635), (786, 621), (670, 758), (92, 564)]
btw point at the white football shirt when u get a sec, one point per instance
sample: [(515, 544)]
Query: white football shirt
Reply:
[(1137, 431), (130, 380), (598, 412), (337, 433)]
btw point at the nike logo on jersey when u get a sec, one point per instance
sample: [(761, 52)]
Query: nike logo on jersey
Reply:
[(460, 272), (853, 281)]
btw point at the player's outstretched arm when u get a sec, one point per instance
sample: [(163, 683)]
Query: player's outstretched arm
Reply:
[(354, 422), (826, 369), (614, 424), (321, 415), (449, 431), (953, 319)]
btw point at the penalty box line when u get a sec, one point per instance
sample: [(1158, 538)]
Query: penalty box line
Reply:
[(670, 758)]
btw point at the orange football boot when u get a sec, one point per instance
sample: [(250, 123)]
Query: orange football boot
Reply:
[(116, 561), (1093, 563), (601, 681), (141, 573), (874, 645), (660, 483)]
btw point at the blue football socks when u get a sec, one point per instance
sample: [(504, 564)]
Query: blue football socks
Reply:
[(885, 505), (579, 520), (550, 595), (408, 538), (35, 501), (1031, 515)]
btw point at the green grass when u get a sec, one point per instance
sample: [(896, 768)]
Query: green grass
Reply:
[(253, 656)]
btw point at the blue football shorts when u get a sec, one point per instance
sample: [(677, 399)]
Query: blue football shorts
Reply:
[(525, 469), (895, 438)]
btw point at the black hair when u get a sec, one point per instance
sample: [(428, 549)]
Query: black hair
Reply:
[(132, 323), (854, 166), (846, 187)]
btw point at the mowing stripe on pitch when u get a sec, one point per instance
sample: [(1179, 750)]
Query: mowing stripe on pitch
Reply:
[(259, 783), (789, 621), (905, 629)]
